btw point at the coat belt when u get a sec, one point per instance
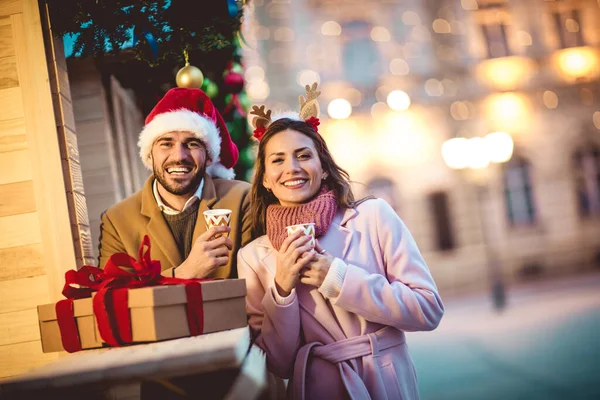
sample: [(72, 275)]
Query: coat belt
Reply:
[(344, 353)]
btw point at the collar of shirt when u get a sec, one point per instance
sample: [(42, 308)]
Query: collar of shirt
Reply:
[(168, 210)]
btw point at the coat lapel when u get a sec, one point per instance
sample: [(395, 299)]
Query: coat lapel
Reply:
[(338, 238), (337, 242), (157, 227)]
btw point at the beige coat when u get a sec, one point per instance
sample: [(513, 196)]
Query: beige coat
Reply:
[(125, 224)]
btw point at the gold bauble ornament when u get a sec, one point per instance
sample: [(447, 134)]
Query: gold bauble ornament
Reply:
[(189, 77)]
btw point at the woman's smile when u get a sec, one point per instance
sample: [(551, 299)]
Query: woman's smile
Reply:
[(295, 184)]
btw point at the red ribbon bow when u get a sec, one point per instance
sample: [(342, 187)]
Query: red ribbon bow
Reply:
[(121, 273), (314, 123), (259, 132)]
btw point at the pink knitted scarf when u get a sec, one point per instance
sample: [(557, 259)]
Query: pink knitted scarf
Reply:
[(320, 210)]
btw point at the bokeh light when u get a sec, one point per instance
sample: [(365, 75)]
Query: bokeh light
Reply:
[(499, 146), (254, 73), (380, 34), (550, 99), (399, 67), (339, 109), (307, 77), (331, 28), (455, 153), (398, 100), (577, 62), (257, 90), (506, 73)]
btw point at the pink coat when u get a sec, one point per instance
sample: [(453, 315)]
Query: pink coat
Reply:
[(386, 284)]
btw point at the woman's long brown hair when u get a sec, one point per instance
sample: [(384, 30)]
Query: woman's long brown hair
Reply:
[(337, 178)]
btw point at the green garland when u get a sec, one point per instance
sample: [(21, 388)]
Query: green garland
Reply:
[(159, 30)]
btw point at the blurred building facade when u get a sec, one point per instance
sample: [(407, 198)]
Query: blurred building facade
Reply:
[(399, 78)]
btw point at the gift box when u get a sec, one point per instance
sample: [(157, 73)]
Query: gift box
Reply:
[(159, 312), (84, 318), (129, 301)]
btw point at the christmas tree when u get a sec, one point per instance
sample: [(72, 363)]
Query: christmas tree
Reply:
[(145, 43)]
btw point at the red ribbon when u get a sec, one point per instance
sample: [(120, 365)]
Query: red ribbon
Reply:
[(110, 303), (234, 103), (314, 123)]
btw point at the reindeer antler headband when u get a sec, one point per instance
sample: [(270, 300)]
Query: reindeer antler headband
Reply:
[(309, 112)]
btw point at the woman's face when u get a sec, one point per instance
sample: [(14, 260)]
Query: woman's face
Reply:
[(293, 170)]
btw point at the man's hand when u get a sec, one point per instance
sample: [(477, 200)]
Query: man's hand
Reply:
[(208, 253)]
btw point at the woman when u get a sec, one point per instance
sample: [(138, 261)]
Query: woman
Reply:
[(330, 318)]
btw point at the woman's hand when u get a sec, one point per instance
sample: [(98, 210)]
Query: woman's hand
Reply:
[(294, 254), (316, 270)]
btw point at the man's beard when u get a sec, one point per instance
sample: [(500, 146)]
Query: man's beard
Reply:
[(178, 189)]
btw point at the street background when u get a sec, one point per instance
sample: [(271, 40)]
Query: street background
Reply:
[(544, 345)]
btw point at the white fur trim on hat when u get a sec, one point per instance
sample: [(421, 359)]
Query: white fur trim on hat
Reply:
[(218, 170), (180, 120)]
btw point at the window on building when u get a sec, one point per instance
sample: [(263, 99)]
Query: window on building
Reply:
[(384, 188), (361, 58), (438, 204), (493, 18), (567, 23), (518, 191), (587, 177)]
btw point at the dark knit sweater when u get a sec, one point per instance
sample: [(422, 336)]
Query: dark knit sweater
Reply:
[(182, 227)]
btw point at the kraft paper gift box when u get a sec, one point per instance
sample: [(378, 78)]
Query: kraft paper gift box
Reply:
[(84, 318), (159, 312)]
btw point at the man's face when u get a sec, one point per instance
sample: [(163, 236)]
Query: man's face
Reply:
[(179, 160)]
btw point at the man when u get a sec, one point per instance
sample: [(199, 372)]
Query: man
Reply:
[(186, 144)]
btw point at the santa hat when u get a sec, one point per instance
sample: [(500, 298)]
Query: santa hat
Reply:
[(190, 110)]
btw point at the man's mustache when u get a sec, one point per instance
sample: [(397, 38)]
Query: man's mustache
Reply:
[(180, 164)]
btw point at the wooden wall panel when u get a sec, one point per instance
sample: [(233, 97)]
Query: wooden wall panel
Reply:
[(15, 166), (91, 133), (11, 103), (23, 294), (89, 108), (9, 7), (21, 262), (44, 151), (63, 111), (65, 123), (98, 181), (74, 177), (8, 72), (12, 142), (18, 358), (12, 127), (19, 230), (7, 49), (93, 159), (80, 208), (19, 327), (17, 198), (36, 242)]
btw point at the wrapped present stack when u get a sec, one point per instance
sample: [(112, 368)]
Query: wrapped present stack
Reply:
[(130, 302)]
